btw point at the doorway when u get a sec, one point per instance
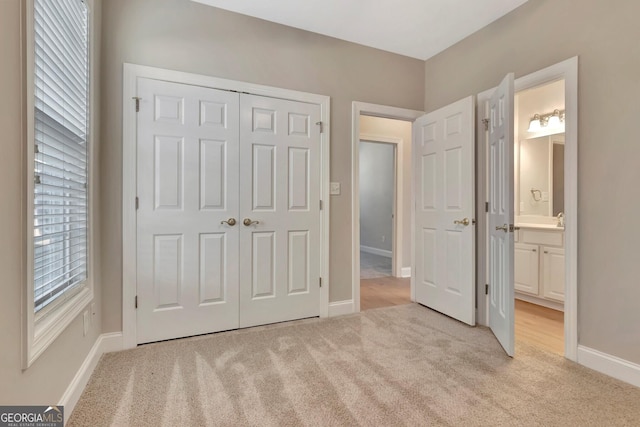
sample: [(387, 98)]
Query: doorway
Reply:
[(380, 284), (382, 239), (377, 209), (543, 256), (539, 254)]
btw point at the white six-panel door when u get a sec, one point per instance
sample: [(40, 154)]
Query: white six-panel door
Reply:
[(188, 148), (444, 212), (500, 216), (280, 188), (209, 160)]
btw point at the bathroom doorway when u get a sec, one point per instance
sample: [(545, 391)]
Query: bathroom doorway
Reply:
[(539, 252)]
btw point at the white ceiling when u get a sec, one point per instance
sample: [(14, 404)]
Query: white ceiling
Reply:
[(415, 28)]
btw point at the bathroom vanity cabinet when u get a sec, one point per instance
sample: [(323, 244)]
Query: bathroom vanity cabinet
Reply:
[(539, 265)]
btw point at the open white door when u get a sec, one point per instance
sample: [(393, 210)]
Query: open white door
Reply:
[(444, 213), (500, 216)]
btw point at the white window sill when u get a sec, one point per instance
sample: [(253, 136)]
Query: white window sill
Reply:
[(49, 327)]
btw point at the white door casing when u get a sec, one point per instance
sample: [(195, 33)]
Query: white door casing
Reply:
[(444, 210), (501, 215), (187, 175), (132, 73), (280, 188)]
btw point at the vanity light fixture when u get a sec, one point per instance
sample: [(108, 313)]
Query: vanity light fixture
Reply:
[(550, 120), (535, 124)]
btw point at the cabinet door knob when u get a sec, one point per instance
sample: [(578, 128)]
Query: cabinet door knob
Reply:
[(534, 250)]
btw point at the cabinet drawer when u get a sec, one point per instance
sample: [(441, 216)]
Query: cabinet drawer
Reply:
[(541, 237)]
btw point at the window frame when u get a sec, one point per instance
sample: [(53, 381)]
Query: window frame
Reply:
[(41, 329)]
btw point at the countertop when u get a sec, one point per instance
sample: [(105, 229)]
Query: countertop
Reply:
[(539, 226)]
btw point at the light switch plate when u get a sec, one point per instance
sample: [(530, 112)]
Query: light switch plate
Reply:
[(334, 189)]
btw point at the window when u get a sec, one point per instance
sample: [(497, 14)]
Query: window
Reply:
[(59, 112)]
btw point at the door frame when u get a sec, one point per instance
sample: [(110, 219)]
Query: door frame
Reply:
[(398, 211), (567, 70), (131, 73), (387, 112)]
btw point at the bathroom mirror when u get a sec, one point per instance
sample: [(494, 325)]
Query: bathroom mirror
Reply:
[(540, 169)]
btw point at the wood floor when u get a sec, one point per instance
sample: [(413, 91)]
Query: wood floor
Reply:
[(534, 324), (540, 326), (384, 292)]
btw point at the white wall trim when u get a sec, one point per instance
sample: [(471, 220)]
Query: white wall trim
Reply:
[(106, 343), (376, 251), (340, 308), (405, 272), (567, 70), (40, 330), (375, 110), (607, 364), (558, 306), (131, 74)]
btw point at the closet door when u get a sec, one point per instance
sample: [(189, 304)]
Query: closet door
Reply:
[(187, 242), (280, 212)]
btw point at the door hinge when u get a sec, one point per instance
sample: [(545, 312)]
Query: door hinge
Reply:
[(136, 301), (137, 203), (486, 289), (320, 204), (320, 281), (486, 123), (486, 206), (137, 99), (321, 126)]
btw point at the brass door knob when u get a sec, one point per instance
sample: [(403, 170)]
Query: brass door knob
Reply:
[(247, 222), (230, 221), (464, 222), (504, 228)]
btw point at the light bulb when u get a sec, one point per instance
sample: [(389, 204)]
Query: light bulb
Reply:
[(554, 121), (534, 124)]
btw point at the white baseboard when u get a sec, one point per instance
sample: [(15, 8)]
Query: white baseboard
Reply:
[(405, 272), (607, 364), (105, 343), (340, 308), (376, 251), (540, 301)]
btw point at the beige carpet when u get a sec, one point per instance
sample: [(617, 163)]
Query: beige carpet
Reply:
[(403, 365)]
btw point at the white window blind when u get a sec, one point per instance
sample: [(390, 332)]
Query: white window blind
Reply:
[(61, 149)]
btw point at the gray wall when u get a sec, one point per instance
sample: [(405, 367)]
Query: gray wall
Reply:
[(377, 193), (47, 379), (605, 36), (191, 37)]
